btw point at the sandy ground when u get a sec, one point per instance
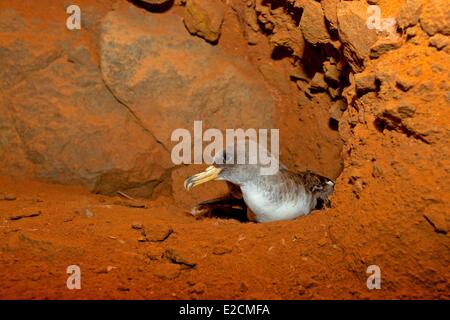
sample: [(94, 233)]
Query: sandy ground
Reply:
[(159, 252), (180, 257)]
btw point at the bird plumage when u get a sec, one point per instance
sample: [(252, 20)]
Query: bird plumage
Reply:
[(284, 195)]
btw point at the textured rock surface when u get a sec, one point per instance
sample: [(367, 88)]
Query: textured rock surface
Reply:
[(293, 41), (65, 126), (312, 23), (204, 18), (435, 17), (365, 83), (330, 11), (168, 79), (283, 30), (440, 41), (384, 45), (354, 34), (59, 122), (410, 13), (332, 72)]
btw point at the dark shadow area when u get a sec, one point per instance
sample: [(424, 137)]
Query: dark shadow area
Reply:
[(157, 8), (321, 204), (295, 13), (222, 208), (387, 121), (315, 56), (274, 4), (334, 34), (281, 52), (333, 124)]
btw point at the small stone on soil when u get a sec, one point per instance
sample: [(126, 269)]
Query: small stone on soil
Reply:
[(221, 250), (30, 215), (157, 233), (404, 84), (175, 257), (88, 213), (318, 83), (9, 197), (137, 226), (123, 289)]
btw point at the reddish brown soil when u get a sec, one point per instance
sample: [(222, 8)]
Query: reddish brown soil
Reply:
[(323, 255), (284, 260)]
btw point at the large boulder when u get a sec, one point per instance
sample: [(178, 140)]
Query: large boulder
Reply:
[(59, 121), (168, 78)]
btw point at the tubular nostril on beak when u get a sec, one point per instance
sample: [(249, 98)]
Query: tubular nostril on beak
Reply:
[(188, 183), (211, 173)]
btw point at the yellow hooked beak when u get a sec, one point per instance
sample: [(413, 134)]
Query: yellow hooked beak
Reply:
[(209, 174)]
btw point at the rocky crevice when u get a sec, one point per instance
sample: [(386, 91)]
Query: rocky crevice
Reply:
[(138, 120)]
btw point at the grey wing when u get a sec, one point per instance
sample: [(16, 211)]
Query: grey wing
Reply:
[(235, 190)]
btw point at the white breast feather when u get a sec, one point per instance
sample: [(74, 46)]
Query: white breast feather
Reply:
[(266, 209)]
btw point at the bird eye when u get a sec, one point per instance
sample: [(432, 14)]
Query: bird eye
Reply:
[(227, 158), (223, 158)]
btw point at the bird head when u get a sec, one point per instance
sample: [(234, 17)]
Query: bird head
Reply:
[(234, 164), (223, 168)]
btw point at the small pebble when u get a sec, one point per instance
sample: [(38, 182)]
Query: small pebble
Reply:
[(142, 239), (110, 268), (137, 226), (221, 250), (88, 213), (9, 197), (243, 287)]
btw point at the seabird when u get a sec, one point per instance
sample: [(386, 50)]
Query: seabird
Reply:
[(284, 195)]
